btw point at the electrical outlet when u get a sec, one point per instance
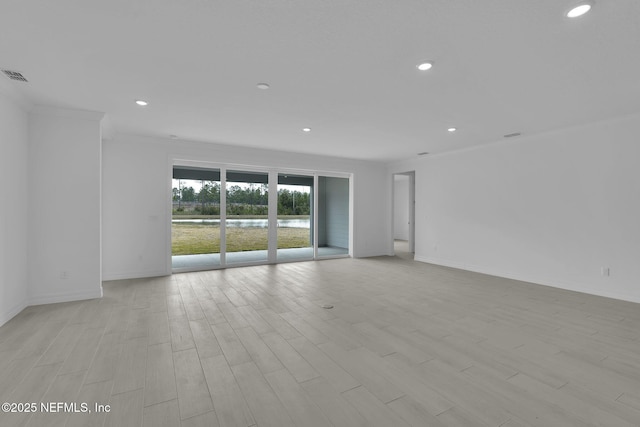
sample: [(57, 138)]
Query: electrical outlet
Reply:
[(604, 271)]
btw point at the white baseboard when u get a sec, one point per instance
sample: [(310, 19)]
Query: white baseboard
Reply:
[(537, 280), (64, 297), (5, 317), (371, 254), (133, 275)]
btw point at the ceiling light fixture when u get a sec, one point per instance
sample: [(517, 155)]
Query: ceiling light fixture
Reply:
[(263, 86), (306, 129), (580, 9), (424, 66), (142, 103), (452, 129)]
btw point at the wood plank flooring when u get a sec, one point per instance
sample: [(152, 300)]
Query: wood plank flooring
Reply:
[(406, 343)]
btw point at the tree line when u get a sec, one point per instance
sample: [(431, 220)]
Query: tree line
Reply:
[(252, 200)]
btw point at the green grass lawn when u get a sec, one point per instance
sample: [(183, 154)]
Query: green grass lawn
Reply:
[(192, 239)]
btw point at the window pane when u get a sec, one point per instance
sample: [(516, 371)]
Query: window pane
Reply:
[(195, 221), (247, 224), (295, 216)]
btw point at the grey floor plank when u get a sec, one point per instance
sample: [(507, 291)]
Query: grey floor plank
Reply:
[(340, 379), (165, 414), (181, 336), (372, 409), (333, 405), (193, 393), (407, 343), (64, 389), (260, 353), (230, 344), (299, 406), (206, 342), (228, 401), (131, 366), (93, 393), (290, 358), (160, 380), (265, 406), (104, 364), (126, 409), (208, 419)]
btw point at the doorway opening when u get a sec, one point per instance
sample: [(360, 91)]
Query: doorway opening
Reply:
[(404, 214), (333, 216)]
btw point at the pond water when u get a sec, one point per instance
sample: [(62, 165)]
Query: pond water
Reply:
[(245, 223)]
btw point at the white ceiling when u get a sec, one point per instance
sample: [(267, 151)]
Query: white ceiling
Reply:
[(347, 69)]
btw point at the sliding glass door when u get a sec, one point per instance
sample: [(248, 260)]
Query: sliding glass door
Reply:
[(295, 217), (233, 216), (247, 217), (195, 219)]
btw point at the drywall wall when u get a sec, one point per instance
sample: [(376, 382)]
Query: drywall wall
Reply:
[(13, 207), (401, 207), (551, 208), (64, 205), (134, 205), (137, 192)]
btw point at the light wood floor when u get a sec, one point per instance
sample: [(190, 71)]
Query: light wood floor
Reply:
[(406, 343)]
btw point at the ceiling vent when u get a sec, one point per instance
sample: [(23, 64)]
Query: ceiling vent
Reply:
[(14, 75), (511, 135)]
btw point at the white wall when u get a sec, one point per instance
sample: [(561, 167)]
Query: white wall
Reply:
[(551, 208), (64, 205), (136, 197), (401, 207), (13, 208), (134, 209)]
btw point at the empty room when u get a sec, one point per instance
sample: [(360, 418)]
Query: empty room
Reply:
[(320, 213)]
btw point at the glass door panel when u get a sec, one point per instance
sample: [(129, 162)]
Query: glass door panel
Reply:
[(247, 223), (195, 219), (333, 216), (295, 217)]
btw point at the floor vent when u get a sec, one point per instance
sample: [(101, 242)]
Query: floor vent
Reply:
[(14, 75)]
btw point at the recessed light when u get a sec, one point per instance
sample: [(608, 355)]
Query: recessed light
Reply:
[(263, 86), (306, 129), (142, 103), (452, 129), (580, 9), (424, 66)]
